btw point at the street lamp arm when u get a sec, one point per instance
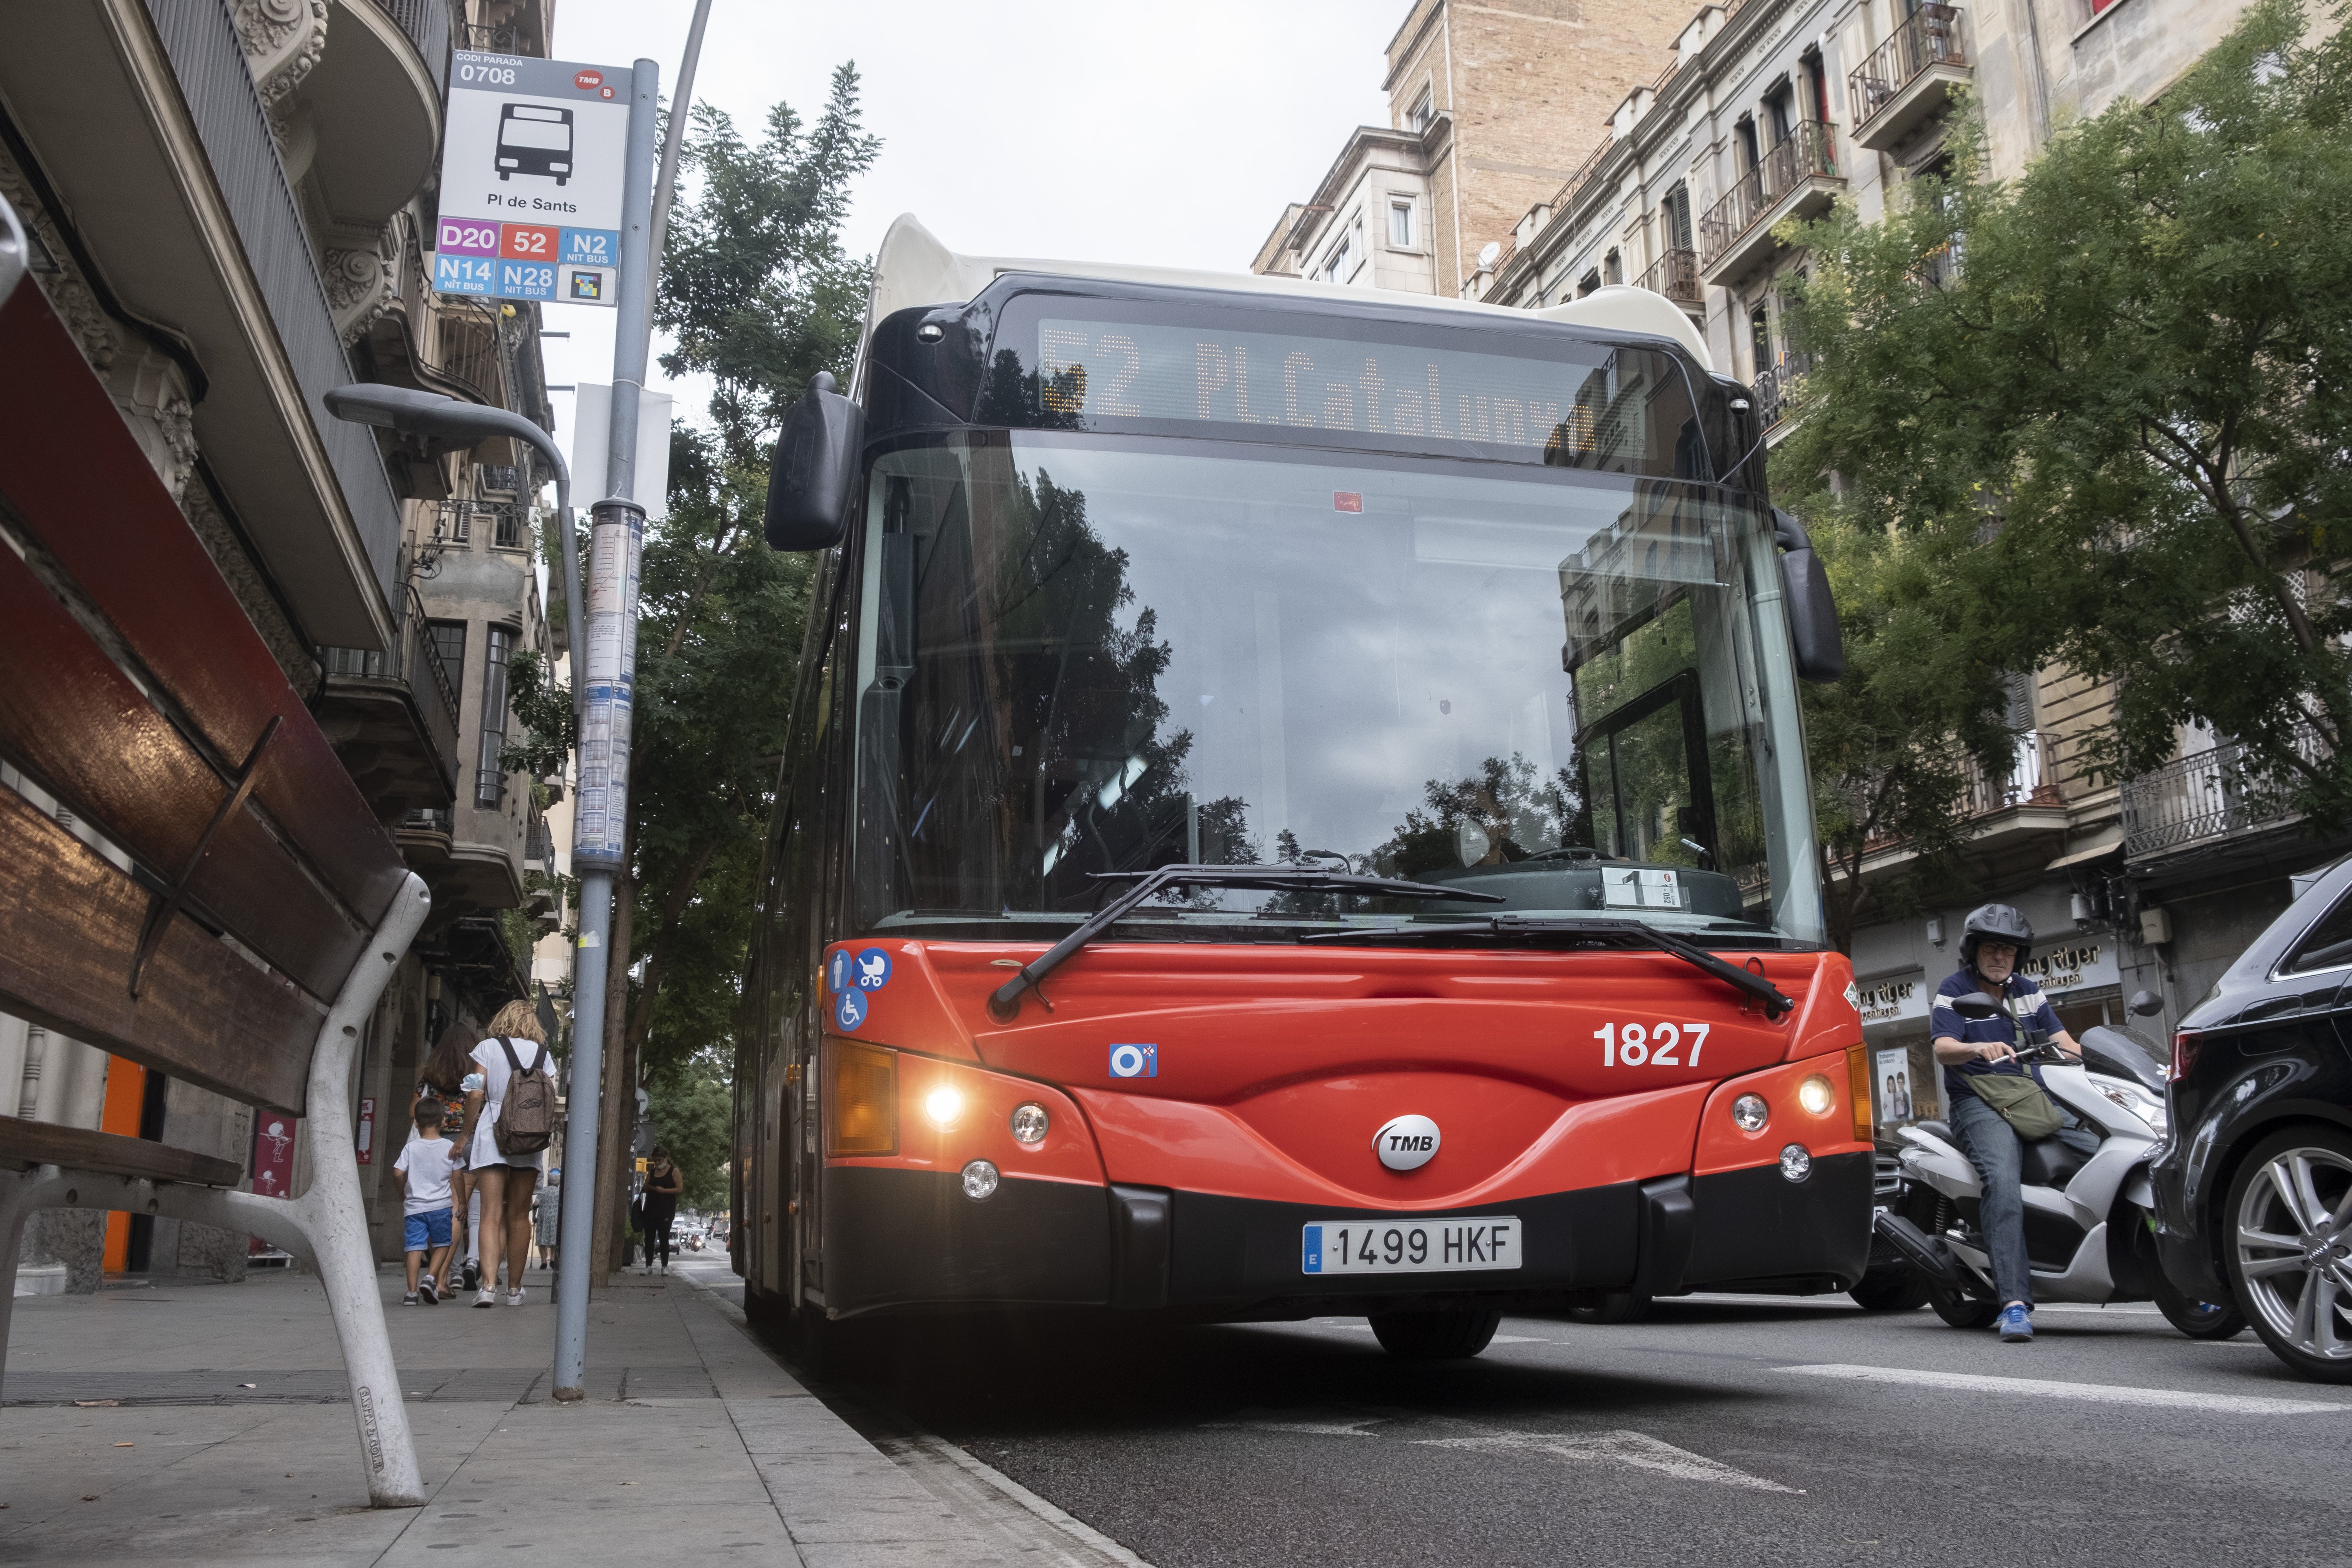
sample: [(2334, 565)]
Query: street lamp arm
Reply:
[(412, 412)]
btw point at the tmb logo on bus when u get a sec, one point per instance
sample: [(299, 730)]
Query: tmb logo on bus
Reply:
[(1407, 1144), (1135, 1061)]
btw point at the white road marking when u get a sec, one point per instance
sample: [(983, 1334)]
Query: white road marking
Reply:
[(1498, 1339), (1307, 1422), (1631, 1450), (2093, 1393)]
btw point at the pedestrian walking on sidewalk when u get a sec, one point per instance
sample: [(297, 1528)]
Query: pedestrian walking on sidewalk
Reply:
[(449, 1074), (664, 1183), (549, 1223), (424, 1168), (517, 1048)]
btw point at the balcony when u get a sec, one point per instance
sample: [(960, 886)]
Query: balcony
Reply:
[(1796, 179), (1778, 388), (2205, 799), (393, 720), (1908, 79), (1675, 275), (375, 105)]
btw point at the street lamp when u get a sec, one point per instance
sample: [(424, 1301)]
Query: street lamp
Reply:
[(414, 413)]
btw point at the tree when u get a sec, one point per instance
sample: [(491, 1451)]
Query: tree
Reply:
[(1889, 741), (759, 297), (2115, 394)]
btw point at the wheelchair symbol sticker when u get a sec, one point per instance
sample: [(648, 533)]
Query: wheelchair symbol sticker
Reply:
[(873, 969), (849, 1012)]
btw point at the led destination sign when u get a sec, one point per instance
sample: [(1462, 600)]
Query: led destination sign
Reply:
[(1621, 409)]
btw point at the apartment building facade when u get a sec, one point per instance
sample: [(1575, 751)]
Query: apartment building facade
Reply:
[(1756, 112), (1482, 98), (230, 202)]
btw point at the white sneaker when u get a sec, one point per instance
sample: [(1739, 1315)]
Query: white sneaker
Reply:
[(486, 1297), (514, 1298)]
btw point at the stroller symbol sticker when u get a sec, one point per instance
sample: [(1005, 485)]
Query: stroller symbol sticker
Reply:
[(873, 969)]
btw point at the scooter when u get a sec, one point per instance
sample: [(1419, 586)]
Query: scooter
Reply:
[(2088, 1236)]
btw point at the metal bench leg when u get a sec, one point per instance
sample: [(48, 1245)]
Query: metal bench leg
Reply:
[(333, 1218)]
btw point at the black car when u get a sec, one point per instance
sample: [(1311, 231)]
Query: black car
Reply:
[(2253, 1185)]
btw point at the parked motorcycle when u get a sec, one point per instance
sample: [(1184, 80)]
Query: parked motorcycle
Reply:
[(2087, 1232)]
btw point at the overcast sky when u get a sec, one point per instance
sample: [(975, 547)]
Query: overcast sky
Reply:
[(1095, 130)]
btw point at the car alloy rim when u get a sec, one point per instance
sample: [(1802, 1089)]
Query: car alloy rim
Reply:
[(2295, 1250)]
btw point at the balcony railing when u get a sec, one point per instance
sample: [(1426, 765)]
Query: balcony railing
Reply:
[(1675, 275), (441, 821), (2206, 795), (1809, 152), (411, 662), (1778, 388), (488, 38), (426, 22), (470, 349), (1931, 37)]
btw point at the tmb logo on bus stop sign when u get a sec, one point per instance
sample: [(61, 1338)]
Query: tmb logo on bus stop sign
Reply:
[(531, 180)]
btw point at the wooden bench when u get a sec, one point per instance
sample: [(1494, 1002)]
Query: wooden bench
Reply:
[(265, 908)]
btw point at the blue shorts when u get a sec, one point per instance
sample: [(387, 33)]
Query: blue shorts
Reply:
[(428, 1229)]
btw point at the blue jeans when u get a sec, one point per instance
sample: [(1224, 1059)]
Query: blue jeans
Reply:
[(1994, 1148)]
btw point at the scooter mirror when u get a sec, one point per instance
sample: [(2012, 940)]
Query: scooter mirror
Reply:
[(1975, 1005), (2144, 1006)]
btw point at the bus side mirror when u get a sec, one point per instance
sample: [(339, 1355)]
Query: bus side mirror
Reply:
[(813, 479), (2143, 1005), (1805, 592)]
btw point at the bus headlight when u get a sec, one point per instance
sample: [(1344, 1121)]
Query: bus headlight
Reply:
[(1029, 1125), (1817, 1094), (1796, 1163), (1749, 1113), (943, 1105), (979, 1179)]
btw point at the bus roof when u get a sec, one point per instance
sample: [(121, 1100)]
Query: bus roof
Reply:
[(914, 268)]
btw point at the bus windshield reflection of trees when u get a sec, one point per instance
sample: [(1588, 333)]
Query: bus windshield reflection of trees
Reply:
[(1089, 657)]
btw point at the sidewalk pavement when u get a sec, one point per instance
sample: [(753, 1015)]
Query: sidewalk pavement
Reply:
[(195, 1423)]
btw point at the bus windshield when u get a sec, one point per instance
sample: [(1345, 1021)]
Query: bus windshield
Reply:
[(1083, 654)]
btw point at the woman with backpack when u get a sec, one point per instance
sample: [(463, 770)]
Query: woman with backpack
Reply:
[(510, 1121)]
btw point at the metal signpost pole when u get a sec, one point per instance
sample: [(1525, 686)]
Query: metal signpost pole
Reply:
[(607, 645)]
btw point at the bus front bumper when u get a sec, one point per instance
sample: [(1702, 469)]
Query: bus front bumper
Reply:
[(896, 1237)]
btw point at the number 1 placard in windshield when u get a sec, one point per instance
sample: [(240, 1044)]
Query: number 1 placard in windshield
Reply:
[(531, 180)]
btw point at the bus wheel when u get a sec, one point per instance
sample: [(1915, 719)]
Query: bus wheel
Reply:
[(1617, 1307), (1435, 1336)]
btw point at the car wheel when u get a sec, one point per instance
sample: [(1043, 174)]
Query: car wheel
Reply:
[(1617, 1307), (1435, 1336), (1897, 1289), (1962, 1311), (2289, 1215)]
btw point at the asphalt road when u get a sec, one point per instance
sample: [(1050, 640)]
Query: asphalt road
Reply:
[(1722, 1431)]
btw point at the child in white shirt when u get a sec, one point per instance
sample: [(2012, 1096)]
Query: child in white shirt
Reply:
[(424, 1168)]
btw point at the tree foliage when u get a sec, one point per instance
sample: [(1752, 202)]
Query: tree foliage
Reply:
[(759, 297), (2109, 402)]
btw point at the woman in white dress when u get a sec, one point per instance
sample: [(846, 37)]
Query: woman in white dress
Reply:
[(505, 1184)]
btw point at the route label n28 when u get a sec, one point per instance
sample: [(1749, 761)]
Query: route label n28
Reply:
[(1661, 1045)]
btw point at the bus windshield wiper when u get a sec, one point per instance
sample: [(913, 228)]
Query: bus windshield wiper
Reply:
[(1617, 933), (1004, 1002)]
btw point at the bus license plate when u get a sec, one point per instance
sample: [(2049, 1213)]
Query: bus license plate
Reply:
[(1410, 1247)]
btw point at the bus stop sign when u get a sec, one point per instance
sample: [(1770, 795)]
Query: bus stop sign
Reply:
[(531, 160)]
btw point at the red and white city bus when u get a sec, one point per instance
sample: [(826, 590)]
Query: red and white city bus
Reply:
[(1297, 806)]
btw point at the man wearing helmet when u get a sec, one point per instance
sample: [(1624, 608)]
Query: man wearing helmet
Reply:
[(1993, 944)]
